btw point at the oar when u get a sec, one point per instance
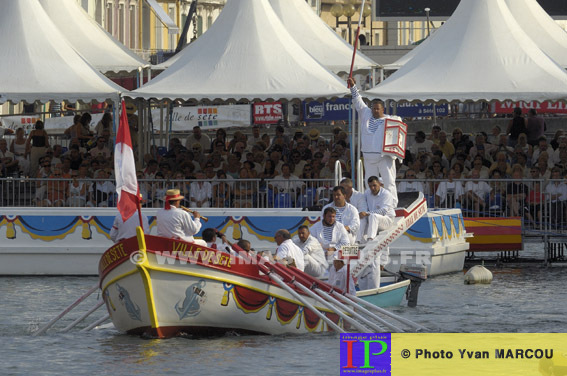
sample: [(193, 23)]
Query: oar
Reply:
[(260, 263), (297, 280), (387, 313)]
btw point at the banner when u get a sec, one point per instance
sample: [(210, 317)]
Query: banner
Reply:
[(478, 354), (185, 118), (267, 112), (507, 107), (418, 109), (326, 111), (54, 124)]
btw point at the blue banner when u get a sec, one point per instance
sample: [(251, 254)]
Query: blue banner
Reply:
[(326, 111), (418, 109)]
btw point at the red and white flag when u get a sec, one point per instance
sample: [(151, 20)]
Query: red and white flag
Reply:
[(125, 169)]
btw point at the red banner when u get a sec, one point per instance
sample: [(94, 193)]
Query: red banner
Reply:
[(267, 112), (507, 107)]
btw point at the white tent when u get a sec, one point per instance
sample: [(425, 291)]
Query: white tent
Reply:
[(245, 54), (88, 38), (547, 34), (317, 38), (39, 64), (481, 53)]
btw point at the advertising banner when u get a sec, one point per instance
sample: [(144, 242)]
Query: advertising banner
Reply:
[(185, 118), (267, 112), (418, 109), (327, 110), (507, 107)]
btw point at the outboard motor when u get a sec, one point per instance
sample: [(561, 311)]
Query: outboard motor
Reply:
[(416, 274)]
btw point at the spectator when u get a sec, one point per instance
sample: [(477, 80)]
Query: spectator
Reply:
[(497, 191), (77, 195), (41, 185), (297, 162), (525, 147), (516, 193), (535, 127), (411, 184), (558, 138), (461, 140), (542, 146), (286, 183), (557, 191), (328, 172), (475, 194), (449, 193), (244, 191), (232, 167), (501, 164), (56, 190), (36, 146), (100, 149), (104, 124), (222, 192), (201, 192), (18, 147), (7, 159), (482, 148), (534, 201), (494, 137), (421, 145), (434, 136), (543, 165), (445, 146), (516, 126), (102, 190), (198, 137)]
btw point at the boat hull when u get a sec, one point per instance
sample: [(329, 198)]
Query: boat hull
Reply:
[(387, 296)]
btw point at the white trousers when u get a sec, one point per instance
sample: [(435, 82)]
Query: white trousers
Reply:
[(312, 267), (384, 167), (377, 222), (370, 278)]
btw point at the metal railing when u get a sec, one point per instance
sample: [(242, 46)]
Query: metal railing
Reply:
[(526, 198)]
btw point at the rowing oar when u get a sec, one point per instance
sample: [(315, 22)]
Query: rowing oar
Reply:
[(193, 211), (356, 41), (269, 272)]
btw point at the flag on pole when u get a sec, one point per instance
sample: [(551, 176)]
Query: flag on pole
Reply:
[(125, 169)]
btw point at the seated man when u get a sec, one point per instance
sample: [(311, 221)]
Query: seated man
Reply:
[(475, 194), (380, 204), (211, 235), (315, 262), (287, 250), (174, 222), (331, 234), (358, 200), (347, 214), (123, 230), (338, 275)]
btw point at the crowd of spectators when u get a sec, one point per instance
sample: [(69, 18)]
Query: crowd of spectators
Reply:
[(277, 169)]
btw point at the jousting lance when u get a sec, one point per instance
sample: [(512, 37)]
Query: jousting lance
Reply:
[(356, 42)]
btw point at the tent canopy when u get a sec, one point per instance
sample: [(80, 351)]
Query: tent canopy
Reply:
[(39, 64), (545, 32), (481, 53), (317, 38), (88, 38), (245, 54)]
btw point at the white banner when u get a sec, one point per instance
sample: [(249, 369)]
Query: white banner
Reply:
[(52, 125), (185, 118)]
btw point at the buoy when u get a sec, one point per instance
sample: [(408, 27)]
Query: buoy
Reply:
[(478, 274)]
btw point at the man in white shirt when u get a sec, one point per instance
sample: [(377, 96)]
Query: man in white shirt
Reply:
[(287, 249), (380, 204), (346, 213), (331, 234), (358, 200), (174, 222), (476, 192), (338, 276), (123, 230), (372, 127), (411, 186), (198, 137), (315, 261)]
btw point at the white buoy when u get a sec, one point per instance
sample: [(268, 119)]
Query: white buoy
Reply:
[(478, 274)]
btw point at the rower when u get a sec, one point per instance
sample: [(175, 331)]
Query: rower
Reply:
[(338, 275), (123, 230), (288, 250), (175, 222)]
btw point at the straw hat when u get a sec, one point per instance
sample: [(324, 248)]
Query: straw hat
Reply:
[(131, 108), (314, 134), (173, 195)]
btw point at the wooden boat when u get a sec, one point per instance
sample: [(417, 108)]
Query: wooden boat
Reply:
[(165, 287)]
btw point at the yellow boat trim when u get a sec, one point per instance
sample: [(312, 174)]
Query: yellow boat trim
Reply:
[(143, 266), (116, 279)]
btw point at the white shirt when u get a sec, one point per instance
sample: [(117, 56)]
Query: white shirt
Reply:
[(288, 249), (339, 235), (124, 230), (411, 186), (290, 184), (338, 279), (199, 193), (177, 224), (455, 187), (480, 188), (358, 200), (557, 189), (381, 203), (349, 217), (312, 248)]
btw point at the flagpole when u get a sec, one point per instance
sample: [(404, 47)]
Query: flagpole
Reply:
[(356, 41)]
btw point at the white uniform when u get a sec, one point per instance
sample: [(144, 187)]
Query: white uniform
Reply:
[(315, 261), (338, 239), (381, 209), (358, 200), (349, 217), (178, 224), (288, 249), (124, 230), (372, 139), (338, 279)]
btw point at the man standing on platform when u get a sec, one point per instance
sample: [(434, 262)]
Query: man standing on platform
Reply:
[(174, 222), (287, 249), (372, 127), (315, 261), (123, 230)]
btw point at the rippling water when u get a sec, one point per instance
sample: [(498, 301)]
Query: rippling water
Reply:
[(528, 299)]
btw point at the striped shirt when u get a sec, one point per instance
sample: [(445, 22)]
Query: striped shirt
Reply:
[(373, 123), (339, 215), (328, 233)]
